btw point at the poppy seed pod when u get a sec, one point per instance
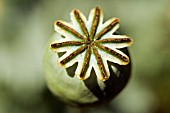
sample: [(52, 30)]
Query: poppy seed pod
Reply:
[(86, 62)]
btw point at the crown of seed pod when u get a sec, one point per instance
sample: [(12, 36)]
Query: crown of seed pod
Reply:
[(93, 62)]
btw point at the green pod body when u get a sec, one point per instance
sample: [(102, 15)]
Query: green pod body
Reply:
[(83, 93)]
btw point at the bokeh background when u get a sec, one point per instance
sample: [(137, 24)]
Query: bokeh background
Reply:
[(26, 26)]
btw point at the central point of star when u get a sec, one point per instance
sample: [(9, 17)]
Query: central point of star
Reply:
[(90, 42)]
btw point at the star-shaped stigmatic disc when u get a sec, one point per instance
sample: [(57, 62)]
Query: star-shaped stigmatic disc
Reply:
[(91, 43)]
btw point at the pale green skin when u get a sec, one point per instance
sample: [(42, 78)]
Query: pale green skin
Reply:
[(78, 92)]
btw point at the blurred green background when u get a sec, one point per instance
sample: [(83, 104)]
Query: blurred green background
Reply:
[(26, 26)]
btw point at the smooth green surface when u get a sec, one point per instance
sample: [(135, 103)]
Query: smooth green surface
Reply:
[(70, 89)]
